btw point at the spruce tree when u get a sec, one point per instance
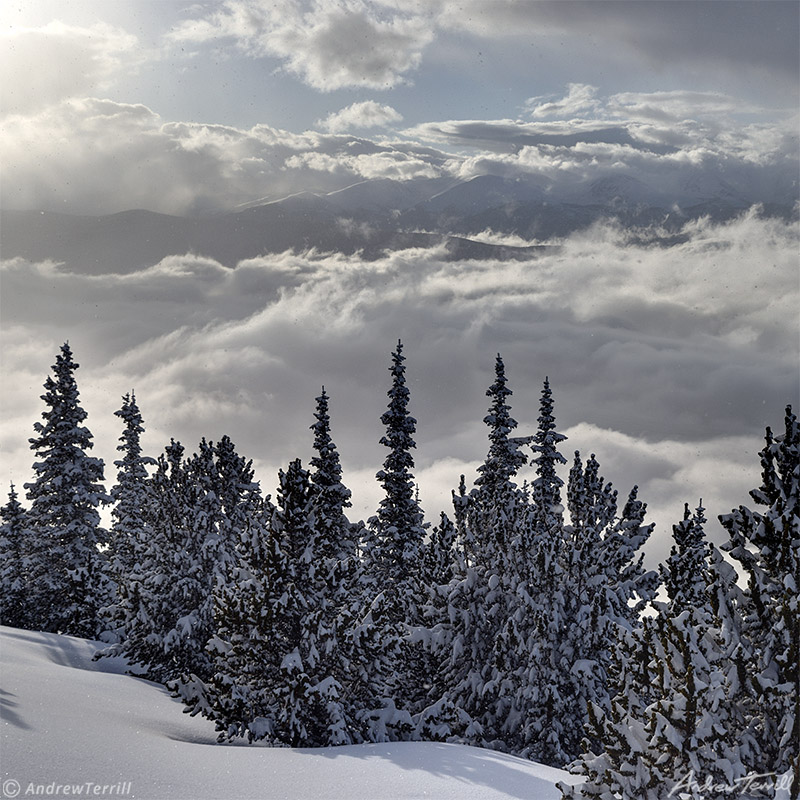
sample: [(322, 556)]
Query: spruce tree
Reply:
[(481, 643), (130, 528), (149, 607), (766, 545), (68, 570), (547, 484), (186, 549), (15, 543), (398, 530), (496, 499), (239, 695), (130, 492), (671, 728), (281, 658), (543, 713), (392, 550)]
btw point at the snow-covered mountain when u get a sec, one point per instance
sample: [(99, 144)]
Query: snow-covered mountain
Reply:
[(370, 217), (70, 722)]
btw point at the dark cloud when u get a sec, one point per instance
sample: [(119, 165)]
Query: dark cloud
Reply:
[(704, 35)]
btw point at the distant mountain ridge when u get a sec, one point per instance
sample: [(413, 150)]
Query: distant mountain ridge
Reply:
[(370, 218)]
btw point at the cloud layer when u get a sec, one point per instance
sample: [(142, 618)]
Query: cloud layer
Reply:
[(666, 362), (95, 156)]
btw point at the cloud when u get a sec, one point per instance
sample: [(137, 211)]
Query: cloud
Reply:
[(665, 362), (97, 156), (368, 114), (580, 98), (328, 46), (44, 65), (381, 44), (753, 39)]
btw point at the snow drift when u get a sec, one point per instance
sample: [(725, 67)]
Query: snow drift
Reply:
[(73, 726)]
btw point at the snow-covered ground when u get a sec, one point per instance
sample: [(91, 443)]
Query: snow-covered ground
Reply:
[(71, 725)]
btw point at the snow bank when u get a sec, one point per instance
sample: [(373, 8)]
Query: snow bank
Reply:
[(73, 726)]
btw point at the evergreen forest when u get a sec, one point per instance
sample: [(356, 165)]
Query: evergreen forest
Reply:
[(524, 620)]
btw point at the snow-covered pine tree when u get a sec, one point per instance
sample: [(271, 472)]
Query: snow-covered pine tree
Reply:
[(691, 725), (766, 545), (496, 500), (295, 642), (392, 551), (239, 500), (130, 492), (187, 546), (239, 695), (149, 608), (397, 531), (442, 566), (684, 574), (197, 560), (613, 764), (547, 484), (480, 642), (68, 570), (632, 586), (337, 539), (595, 604), (337, 596), (671, 728), (130, 527), (212, 517), (542, 716), (279, 672), (15, 543)]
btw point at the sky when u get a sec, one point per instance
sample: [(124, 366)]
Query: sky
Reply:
[(665, 362)]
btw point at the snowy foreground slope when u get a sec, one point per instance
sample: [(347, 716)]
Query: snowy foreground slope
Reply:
[(70, 722)]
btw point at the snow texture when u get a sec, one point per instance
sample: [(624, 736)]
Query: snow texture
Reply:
[(69, 720)]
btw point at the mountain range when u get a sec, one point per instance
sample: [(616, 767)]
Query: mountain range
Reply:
[(374, 217)]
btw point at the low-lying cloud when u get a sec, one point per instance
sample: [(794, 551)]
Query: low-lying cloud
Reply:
[(665, 362)]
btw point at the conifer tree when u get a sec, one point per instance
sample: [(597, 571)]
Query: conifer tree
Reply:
[(691, 718), (15, 543), (150, 605), (542, 716), (392, 550), (496, 499), (353, 665), (130, 492), (68, 570), (130, 529), (281, 663), (398, 529), (548, 484), (239, 694), (766, 544), (197, 508), (482, 642), (671, 728)]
